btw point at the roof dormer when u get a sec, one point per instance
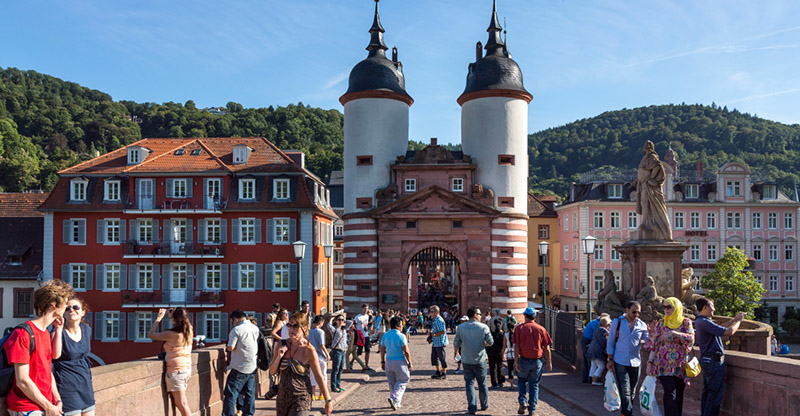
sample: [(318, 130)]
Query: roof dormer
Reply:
[(137, 154), (241, 153)]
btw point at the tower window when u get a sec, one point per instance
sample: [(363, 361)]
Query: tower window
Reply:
[(364, 203), (363, 160), (411, 224), (411, 185), (458, 224), (505, 159), (505, 201)]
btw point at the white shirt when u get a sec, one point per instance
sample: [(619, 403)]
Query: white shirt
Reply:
[(243, 338), (361, 322)]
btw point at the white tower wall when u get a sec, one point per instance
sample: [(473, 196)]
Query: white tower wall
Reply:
[(493, 126), (376, 127)]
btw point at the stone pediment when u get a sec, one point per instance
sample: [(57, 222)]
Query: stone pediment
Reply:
[(435, 200)]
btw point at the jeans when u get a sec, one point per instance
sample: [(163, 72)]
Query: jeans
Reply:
[(398, 376), (530, 374), (627, 379), (673, 395), (496, 370), (477, 372), (239, 383), (586, 362), (713, 386), (337, 365)]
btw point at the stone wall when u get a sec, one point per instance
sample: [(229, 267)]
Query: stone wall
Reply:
[(137, 387), (752, 337)]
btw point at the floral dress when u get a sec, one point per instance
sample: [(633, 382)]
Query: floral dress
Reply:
[(671, 355)]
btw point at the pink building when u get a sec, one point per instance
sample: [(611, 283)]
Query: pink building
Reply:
[(734, 208)]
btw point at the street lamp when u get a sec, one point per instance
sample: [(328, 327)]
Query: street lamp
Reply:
[(588, 250), (543, 247), (299, 253), (328, 249)]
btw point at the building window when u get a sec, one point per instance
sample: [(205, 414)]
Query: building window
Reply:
[(544, 232), (773, 252), (599, 252), (543, 260), (247, 231), (757, 254), (240, 154), (178, 277), (338, 256), (112, 191), (338, 230), (411, 185), (247, 276), (770, 192), (505, 201), (411, 224), (691, 192), (679, 220), (145, 278), (734, 220), (694, 220), (281, 275), (281, 230), (145, 230), (574, 221), (788, 220), (598, 219), (363, 160), (566, 280), (213, 325), (711, 252), (247, 189), (77, 234), (179, 188), (598, 284), (788, 252), (112, 277), (733, 188), (213, 276), (111, 326), (143, 322), (772, 220), (773, 283), (615, 191), (213, 231), (574, 252), (23, 302), (78, 190), (337, 281), (694, 252), (457, 184), (281, 189), (112, 232), (711, 220), (756, 223), (505, 159), (788, 283), (614, 254), (566, 223), (614, 219), (566, 253), (633, 219), (133, 156), (78, 276)]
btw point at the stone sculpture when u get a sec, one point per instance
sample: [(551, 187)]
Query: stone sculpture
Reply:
[(650, 198), (608, 300), (651, 303), (688, 297)]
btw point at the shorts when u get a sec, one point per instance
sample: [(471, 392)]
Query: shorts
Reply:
[(437, 357), (28, 413), (323, 367), (77, 412), (178, 380)]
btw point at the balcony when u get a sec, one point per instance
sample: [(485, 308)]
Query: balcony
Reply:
[(133, 249), (169, 298), (175, 206)]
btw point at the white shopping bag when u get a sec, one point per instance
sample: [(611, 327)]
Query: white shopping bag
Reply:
[(648, 403), (611, 399)]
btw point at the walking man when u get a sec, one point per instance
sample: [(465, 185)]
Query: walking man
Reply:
[(626, 335), (471, 339), (361, 322), (243, 348), (531, 345), (712, 356), (439, 337), (338, 352), (396, 361)]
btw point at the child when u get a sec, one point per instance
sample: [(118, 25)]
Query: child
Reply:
[(508, 342), (597, 350)]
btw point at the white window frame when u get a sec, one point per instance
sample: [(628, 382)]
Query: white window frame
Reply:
[(410, 185), (247, 268), (633, 219), (597, 284), (770, 192), (566, 223), (773, 252), (711, 220), (614, 191), (597, 217), (691, 191), (680, 220), (251, 226), (177, 191), (109, 269), (457, 184), (614, 254), (694, 220), (281, 189), (145, 227), (574, 221), (144, 320), (773, 283), (338, 230), (755, 221), (142, 269), (694, 252), (772, 220), (212, 269), (711, 252), (788, 220), (574, 252), (566, 280), (282, 231), (74, 240), (614, 219), (788, 252), (78, 189), (213, 226), (111, 225), (110, 321), (734, 221), (733, 188), (74, 271), (758, 252), (338, 280), (134, 156), (599, 252), (247, 189), (215, 319), (285, 275), (112, 191), (788, 283)]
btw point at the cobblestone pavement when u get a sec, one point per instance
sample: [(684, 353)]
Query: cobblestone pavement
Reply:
[(426, 396)]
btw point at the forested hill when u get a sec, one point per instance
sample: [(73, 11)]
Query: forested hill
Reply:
[(47, 124), (712, 135)]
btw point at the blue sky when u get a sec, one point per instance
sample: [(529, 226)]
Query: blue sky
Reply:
[(579, 58)]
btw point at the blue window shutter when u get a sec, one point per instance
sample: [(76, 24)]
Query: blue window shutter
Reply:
[(66, 231), (270, 236), (258, 231), (66, 274), (190, 277), (224, 230), (315, 232), (223, 326), (101, 277), (200, 277), (123, 276), (167, 237), (156, 277), (122, 230), (234, 277), (292, 230), (169, 188), (89, 277), (133, 274), (269, 275), (101, 231), (81, 224), (132, 324), (201, 231), (189, 187), (200, 324), (189, 231), (235, 231), (293, 277), (259, 277), (99, 325), (134, 230), (224, 277), (122, 326), (166, 277)]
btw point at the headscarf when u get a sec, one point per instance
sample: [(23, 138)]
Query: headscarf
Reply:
[(675, 319)]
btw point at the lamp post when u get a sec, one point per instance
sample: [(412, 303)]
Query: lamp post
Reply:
[(328, 249), (299, 252), (588, 249), (543, 247)]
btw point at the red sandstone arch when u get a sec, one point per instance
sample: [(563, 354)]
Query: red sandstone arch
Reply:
[(462, 263)]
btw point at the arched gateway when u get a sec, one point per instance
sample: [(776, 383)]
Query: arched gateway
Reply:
[(433, 278)]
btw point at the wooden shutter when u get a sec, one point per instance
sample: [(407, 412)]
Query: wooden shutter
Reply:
[(189, 187), (201, 231), (200, 324), (235, 231), (258, 231), (99, 325), (101, 231), (123, 229), (170, 189), (235, 276), (89, 277), (190, 277), (292, 230), (132, 324), (134, 230), (133, 275), (269, 275), (223, 225), (293, 277), (259, 277), (315, 232), (123, 276), (270, 235), (66, 276), (122, 325), (166, 277), (101, 277), (66, 230), (156, 277), (81, 224), (223, 326), (224, 277)]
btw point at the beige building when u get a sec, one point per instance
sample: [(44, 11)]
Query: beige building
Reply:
[(543, 226)]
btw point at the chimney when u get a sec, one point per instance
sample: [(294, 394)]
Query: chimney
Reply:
[(434, 141), (699, 170), (297, 156)]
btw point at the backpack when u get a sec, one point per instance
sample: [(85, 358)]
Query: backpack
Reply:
[(264, 354), (6, 369), (359, 337)]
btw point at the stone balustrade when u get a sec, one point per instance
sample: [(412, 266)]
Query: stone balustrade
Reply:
[(752, 337)]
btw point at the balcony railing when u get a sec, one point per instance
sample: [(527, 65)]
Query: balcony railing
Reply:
[(178, 297), (169, 248), (174, 205)]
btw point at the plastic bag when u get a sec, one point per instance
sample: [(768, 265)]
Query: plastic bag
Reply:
[(611, 399), (648, 403)]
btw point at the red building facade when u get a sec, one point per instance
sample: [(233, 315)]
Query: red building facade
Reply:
[(207, 224)]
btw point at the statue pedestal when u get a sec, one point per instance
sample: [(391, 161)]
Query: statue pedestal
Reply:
[(659, 259)]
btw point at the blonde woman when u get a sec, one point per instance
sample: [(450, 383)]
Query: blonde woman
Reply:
[(178, 346)]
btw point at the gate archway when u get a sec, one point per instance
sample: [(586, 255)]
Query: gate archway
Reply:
[(434, 275)]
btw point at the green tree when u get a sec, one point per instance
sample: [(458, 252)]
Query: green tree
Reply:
[(733, 288)]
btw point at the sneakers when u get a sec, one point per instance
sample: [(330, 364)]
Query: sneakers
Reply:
[(459, 371), (392, 403), (439, 376), (522, 408), (597, 383)]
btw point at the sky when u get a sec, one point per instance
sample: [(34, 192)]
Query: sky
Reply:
[(579, 58)]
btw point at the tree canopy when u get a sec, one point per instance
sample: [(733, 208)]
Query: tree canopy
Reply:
[(733, 288)]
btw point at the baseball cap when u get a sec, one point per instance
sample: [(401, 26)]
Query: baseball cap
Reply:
[(529, 311), (464, 318)]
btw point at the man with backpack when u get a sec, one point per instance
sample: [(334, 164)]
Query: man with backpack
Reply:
[(33, 389)]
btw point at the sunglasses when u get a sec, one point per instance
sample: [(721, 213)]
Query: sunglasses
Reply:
[(74, 307), (340, 319), (667, 306), (635, 312), (293, 326)]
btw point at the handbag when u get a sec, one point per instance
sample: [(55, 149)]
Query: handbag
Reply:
[(692, 367)]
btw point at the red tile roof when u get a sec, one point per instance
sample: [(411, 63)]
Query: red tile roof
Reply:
[(21, 205)]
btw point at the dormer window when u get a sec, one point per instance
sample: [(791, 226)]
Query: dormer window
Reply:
[(281, 189), (411, 185), (770, 192), (112, 192), (77, 190), (457, 185), (247, 189), (134, 155), (691, 191), (733, 188), (240, 154), (615, 190), (15, 260)]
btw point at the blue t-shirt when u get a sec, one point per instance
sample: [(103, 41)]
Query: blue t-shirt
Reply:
[(592, 326), (73, 371), (394, 341), (709, 336)]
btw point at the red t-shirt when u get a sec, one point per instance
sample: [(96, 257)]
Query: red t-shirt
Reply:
[(531, 337), (39, 366)]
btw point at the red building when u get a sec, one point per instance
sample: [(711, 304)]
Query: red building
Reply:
[(207, 224)]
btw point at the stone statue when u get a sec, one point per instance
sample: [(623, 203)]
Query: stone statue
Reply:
[(650, 197), (687, 290), (608, 300), (651, 303)]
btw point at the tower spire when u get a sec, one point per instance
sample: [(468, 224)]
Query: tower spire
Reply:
[(376, 45), (495, 43)]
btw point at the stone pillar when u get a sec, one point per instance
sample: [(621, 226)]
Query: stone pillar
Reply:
[(661, 260)]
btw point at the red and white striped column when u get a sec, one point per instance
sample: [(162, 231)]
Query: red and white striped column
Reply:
[(510, 264), (360, 263)]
